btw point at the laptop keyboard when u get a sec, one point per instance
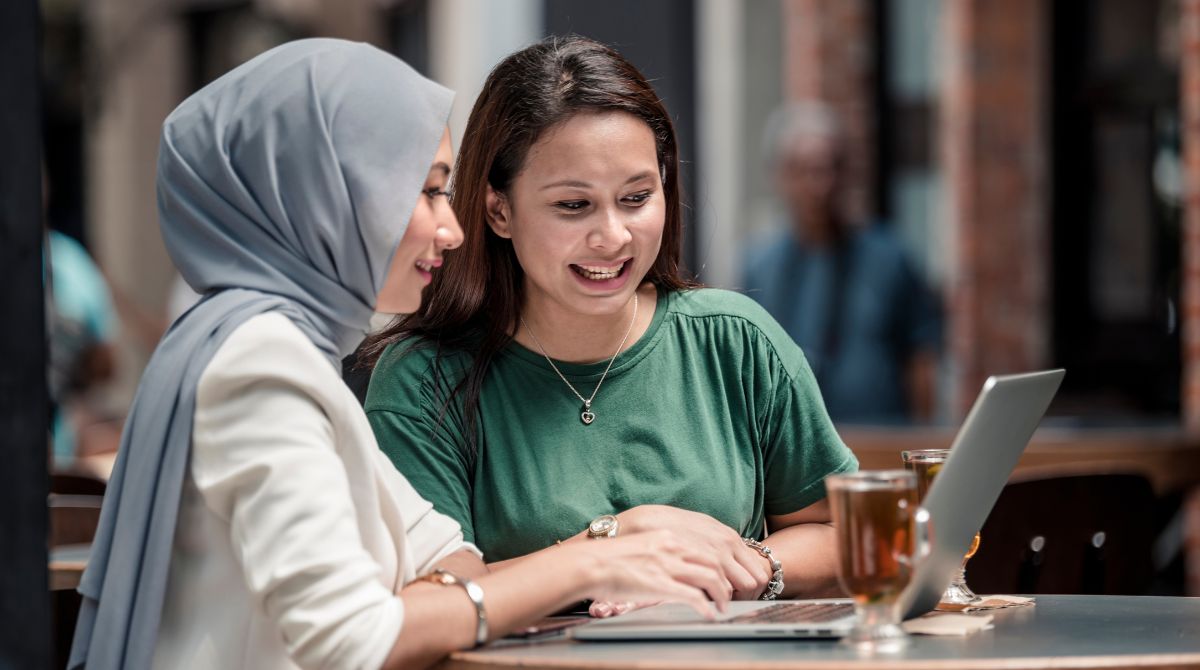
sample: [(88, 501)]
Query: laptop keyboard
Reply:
[(795, 613)]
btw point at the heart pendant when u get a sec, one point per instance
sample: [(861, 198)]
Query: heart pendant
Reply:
[(587, 417)]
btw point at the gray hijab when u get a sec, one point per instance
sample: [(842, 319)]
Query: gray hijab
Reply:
[(284, 186)]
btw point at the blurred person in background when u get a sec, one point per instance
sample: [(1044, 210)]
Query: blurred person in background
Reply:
[(251, 520), (843, 289), (81, 327)]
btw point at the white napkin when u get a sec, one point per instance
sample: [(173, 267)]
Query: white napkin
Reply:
[(941, 623)]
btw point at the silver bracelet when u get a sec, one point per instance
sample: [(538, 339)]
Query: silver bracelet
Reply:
[(474, 592), (775, 586)]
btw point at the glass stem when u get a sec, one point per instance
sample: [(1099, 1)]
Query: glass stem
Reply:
[(870, 616), (876, 628)]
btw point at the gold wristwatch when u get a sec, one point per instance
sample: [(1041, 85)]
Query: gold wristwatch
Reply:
[(603, 526), (474, 592)]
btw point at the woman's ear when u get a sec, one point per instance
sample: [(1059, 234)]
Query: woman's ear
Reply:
[(498, 213)]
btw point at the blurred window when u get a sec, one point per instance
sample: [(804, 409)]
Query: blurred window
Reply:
[(1116, 206), (908, 178), (408, 24), (228, 34)]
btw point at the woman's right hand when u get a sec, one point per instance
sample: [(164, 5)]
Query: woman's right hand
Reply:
[(655, 566)]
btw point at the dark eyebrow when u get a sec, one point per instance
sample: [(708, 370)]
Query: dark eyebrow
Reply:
[(583, 184), (441, 166), (566, 182)]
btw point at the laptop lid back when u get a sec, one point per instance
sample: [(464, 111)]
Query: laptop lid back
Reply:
[(983, 455)]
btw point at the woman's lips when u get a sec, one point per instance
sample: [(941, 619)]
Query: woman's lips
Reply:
[(600, 272), (426, 266), (602, 277)]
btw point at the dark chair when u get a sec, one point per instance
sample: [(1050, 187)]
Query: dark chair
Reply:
[(64, 610), (1083, 533), (73, 518), (73, 521), (75, 483)]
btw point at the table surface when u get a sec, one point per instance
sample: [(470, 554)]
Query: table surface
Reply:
[(1168, 456), (1058, 632)]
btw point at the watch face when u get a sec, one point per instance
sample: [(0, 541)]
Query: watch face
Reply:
[(602, 526)]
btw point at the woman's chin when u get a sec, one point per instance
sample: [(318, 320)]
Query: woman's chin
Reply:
[(603, 305), (397, 304)]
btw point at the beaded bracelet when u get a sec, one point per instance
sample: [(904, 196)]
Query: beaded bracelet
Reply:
[(775, 586)]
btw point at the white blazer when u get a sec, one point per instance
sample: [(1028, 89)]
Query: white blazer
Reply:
[(295, 531)]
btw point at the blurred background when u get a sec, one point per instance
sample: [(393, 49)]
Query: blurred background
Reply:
[(1018, 165)]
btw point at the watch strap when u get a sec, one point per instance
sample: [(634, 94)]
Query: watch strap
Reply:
[(473, 591)]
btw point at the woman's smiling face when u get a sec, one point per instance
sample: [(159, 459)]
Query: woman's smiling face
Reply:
[(586, 212), (431, 230)]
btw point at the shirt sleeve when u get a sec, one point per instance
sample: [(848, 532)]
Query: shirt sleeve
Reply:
[(800, 444), (921, 318), (264, 459), (422, 435), (758, 267), (751, 280), (432, 536)]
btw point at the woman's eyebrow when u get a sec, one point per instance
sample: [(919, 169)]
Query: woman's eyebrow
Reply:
[(575, 183), (441, 166)]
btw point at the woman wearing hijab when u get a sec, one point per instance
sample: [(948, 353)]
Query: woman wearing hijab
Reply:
[(251, 520)]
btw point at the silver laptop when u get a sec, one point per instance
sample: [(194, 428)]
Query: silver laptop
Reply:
[(982, 457)]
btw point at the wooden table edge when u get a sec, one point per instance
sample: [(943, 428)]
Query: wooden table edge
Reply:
[(66, 575)]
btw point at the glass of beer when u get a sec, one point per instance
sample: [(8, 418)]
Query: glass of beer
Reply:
[(926, 463), (874, 514)]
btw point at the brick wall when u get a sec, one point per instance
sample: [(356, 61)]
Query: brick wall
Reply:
[(1190, 96), (1190, 99), (992, 125), (828, 57)]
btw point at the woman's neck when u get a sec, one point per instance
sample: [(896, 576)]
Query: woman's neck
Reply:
[(578, 338)]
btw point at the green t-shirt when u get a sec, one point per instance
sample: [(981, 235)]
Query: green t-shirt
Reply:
[(713, 409)]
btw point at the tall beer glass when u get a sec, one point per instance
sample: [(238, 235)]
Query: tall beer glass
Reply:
[(926, 463), (874, 516)]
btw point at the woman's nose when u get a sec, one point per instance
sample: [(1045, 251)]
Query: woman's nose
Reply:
[(449, 234), (610, 231)]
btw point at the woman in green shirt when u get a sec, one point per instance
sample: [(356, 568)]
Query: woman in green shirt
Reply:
[(559, 370)]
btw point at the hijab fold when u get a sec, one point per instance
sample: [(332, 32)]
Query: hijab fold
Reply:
[(284, 186)]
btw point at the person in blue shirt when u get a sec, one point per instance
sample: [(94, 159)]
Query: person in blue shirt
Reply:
[(845, 291), (82, 327)]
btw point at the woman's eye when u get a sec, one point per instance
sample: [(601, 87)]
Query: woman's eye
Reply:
[(637, 198), (435, 191), (571, 205)]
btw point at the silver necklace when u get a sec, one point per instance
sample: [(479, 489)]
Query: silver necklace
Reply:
[(587, 415)]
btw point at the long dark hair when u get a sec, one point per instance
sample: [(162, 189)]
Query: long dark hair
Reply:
[(475, 298)]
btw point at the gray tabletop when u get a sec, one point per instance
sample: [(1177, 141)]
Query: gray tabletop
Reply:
[(71, 553), (1058, 632)]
